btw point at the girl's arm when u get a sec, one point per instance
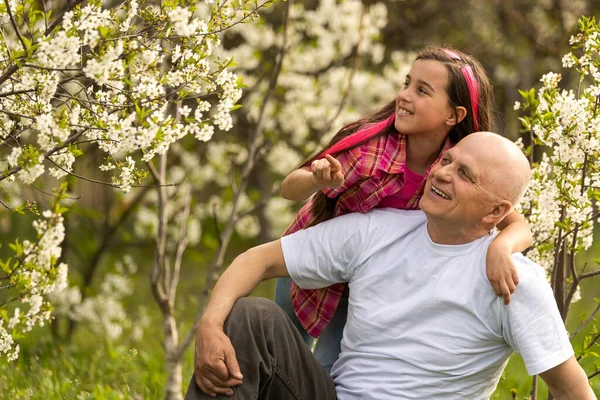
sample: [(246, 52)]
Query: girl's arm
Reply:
[(303, 182), (515, 236)]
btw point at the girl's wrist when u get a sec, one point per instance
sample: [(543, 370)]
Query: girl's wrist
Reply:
[(502, 245)]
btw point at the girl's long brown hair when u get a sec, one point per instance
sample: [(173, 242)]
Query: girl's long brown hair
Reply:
[(322, 207)]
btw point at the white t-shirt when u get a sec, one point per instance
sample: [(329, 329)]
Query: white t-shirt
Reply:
[(423, 320)]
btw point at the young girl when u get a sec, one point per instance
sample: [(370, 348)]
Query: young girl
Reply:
[(382, 160)]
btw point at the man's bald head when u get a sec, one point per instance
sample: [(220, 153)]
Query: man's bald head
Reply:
[(506, 169)]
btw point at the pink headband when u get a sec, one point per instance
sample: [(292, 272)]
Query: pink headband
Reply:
[(359, 136), (472, 86)]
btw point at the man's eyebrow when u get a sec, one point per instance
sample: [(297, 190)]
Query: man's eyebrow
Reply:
[(468, 171), (422, 82)]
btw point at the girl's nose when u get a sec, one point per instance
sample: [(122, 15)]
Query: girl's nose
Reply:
[(403, 95)]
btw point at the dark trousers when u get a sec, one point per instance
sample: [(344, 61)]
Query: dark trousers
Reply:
[(275, 361)]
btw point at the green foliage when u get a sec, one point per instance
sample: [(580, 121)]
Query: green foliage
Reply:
[(85, 370)]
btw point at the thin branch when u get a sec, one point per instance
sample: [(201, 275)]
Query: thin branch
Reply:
[(15, 92), (182, 244), (7, 287), (589, 275), (6, 206), (52, 69), (50, 194), (215, 217), (161, 237), (534, 387), (590, 344), (586, 322), (105, 183), (14, 24)]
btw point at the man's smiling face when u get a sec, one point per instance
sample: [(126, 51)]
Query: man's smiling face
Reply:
[(460, 187)]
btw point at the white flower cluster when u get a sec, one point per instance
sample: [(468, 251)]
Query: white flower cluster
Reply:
[(35, 277), (564, 183), (109, 69), (87, 23), (7, 344), (103, 313), (184, 24), (127, 110), (550, 80), (59, 51), (131, 13)]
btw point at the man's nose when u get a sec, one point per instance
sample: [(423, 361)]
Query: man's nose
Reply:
[(443, 173)]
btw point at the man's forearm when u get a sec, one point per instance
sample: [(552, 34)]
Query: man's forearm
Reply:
[(582, 393), (568, 381), (241, 278)]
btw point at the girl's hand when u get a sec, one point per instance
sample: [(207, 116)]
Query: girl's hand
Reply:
[(501, 271), (327, 172)]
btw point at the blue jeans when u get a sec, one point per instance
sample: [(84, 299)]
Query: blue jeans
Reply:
[(328, 347)]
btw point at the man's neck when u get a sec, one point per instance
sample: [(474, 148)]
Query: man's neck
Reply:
[(451, 234)]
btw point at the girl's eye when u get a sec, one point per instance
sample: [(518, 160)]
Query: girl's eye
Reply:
[(445, 161), (406, 83), (422, 91)]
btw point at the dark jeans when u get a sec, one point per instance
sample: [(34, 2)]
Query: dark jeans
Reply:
[(328, 346), (275, 361)]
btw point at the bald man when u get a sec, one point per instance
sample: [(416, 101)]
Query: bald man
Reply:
[(423, 321)]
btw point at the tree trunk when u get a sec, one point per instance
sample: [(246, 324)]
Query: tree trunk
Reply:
[(173, 365)]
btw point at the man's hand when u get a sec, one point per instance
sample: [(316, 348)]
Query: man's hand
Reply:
[(501, 271), (216, 369), (327, 172)]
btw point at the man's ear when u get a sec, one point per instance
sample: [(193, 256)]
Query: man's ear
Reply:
[(498, 213)]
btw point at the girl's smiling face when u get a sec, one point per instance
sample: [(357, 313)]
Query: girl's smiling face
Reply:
[(422, 105)]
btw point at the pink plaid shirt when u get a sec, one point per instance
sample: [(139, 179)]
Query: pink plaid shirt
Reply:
[(372, 171)]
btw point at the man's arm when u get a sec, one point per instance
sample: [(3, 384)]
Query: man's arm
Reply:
[(242, 277), (215, 366), (567, 381)]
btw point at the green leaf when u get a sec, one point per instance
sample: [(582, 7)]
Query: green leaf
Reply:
[(27, 43)]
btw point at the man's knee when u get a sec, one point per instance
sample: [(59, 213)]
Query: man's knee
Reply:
[(253, 308)]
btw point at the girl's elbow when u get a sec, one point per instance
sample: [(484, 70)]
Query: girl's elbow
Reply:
[(285, 190)]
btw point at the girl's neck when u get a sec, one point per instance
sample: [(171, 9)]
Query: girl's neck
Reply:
[(421, 152)]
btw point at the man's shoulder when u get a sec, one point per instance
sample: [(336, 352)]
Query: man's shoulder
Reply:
[(528, 269), (533, 280)]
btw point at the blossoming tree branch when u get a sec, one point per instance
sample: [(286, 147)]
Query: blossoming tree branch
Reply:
[(561, 204), (127, 80)]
